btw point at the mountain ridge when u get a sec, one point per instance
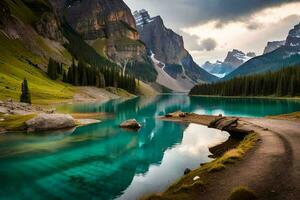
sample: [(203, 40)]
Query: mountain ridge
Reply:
[(286, 55), (168, 48)]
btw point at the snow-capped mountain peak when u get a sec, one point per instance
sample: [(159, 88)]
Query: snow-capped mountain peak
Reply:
[(293, 38)]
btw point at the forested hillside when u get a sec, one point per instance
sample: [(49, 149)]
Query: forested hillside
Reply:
[(285, 82)]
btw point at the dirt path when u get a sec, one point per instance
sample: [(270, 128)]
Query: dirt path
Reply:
[(271, 168)]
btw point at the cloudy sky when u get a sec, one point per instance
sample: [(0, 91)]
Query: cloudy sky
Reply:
[(213, 27)]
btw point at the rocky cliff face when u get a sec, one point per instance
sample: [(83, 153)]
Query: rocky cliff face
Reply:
[(101, 18), (168, 47), (271, 46), (110, 20), (293, 39), (48, 26)]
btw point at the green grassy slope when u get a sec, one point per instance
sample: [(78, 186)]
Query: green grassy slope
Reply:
[(14, 67)]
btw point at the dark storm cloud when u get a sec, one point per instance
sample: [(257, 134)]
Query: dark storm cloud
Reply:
[(183, 13), (208, 44)]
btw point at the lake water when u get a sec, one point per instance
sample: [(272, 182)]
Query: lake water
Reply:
[(102, 161)]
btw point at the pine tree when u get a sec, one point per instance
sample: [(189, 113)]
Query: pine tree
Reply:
[(65, 79), (25, 96), (53, 68)]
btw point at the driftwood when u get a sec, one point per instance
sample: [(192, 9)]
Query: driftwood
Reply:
[(216, 120), (226, 123)]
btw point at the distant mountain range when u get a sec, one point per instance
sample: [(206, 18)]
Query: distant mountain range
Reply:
[(233, 60), (284, 56)]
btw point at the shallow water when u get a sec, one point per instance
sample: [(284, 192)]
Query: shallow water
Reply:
[(101, 161)]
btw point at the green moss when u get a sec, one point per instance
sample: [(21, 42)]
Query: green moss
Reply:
[(242, 193), (99, 46), (14, 67), (16, 122)]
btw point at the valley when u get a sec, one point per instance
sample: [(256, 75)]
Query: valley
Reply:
[(127, 100)]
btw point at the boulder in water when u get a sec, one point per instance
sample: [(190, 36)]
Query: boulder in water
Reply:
[(44, 122), (130, 124)]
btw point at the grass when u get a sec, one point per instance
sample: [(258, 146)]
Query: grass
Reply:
[(183, 188), (16, 122), (120, 92), (20, 10), (242, 193), (128, 41), (14, 68), (289, 116), (99, 46)]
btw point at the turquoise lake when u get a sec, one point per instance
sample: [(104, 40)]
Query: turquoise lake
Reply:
[(102, 161)]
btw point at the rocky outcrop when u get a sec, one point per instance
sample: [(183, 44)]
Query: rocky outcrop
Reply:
[(48, 26), (271, 46), (44, 122), (101, 18), (130, 124), (109, 20)]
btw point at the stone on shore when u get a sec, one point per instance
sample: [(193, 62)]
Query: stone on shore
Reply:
[(2, 130), (130, 124), (186, 171), (44, 122)]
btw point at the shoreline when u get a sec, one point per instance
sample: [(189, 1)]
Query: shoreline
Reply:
[(249, 97), (18, 117), (217, 179)]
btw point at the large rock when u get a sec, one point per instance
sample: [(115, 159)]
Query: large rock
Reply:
[(130, 124), (44, 122)]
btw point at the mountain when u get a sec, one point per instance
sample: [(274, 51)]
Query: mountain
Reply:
[(271, 46), (168, 50), (109, 27), (101, 33), (219, 68), (284, 56), (233, 60)]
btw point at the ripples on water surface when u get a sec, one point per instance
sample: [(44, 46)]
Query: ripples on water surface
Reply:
[(101, 161)]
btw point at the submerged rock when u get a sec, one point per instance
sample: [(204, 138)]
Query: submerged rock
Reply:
[(44, 122), (130, 124)]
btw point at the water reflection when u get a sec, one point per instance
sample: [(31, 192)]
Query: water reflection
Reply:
[(105, 162)]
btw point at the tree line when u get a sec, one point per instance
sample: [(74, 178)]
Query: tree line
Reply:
[(82, 74), (285, 82)]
